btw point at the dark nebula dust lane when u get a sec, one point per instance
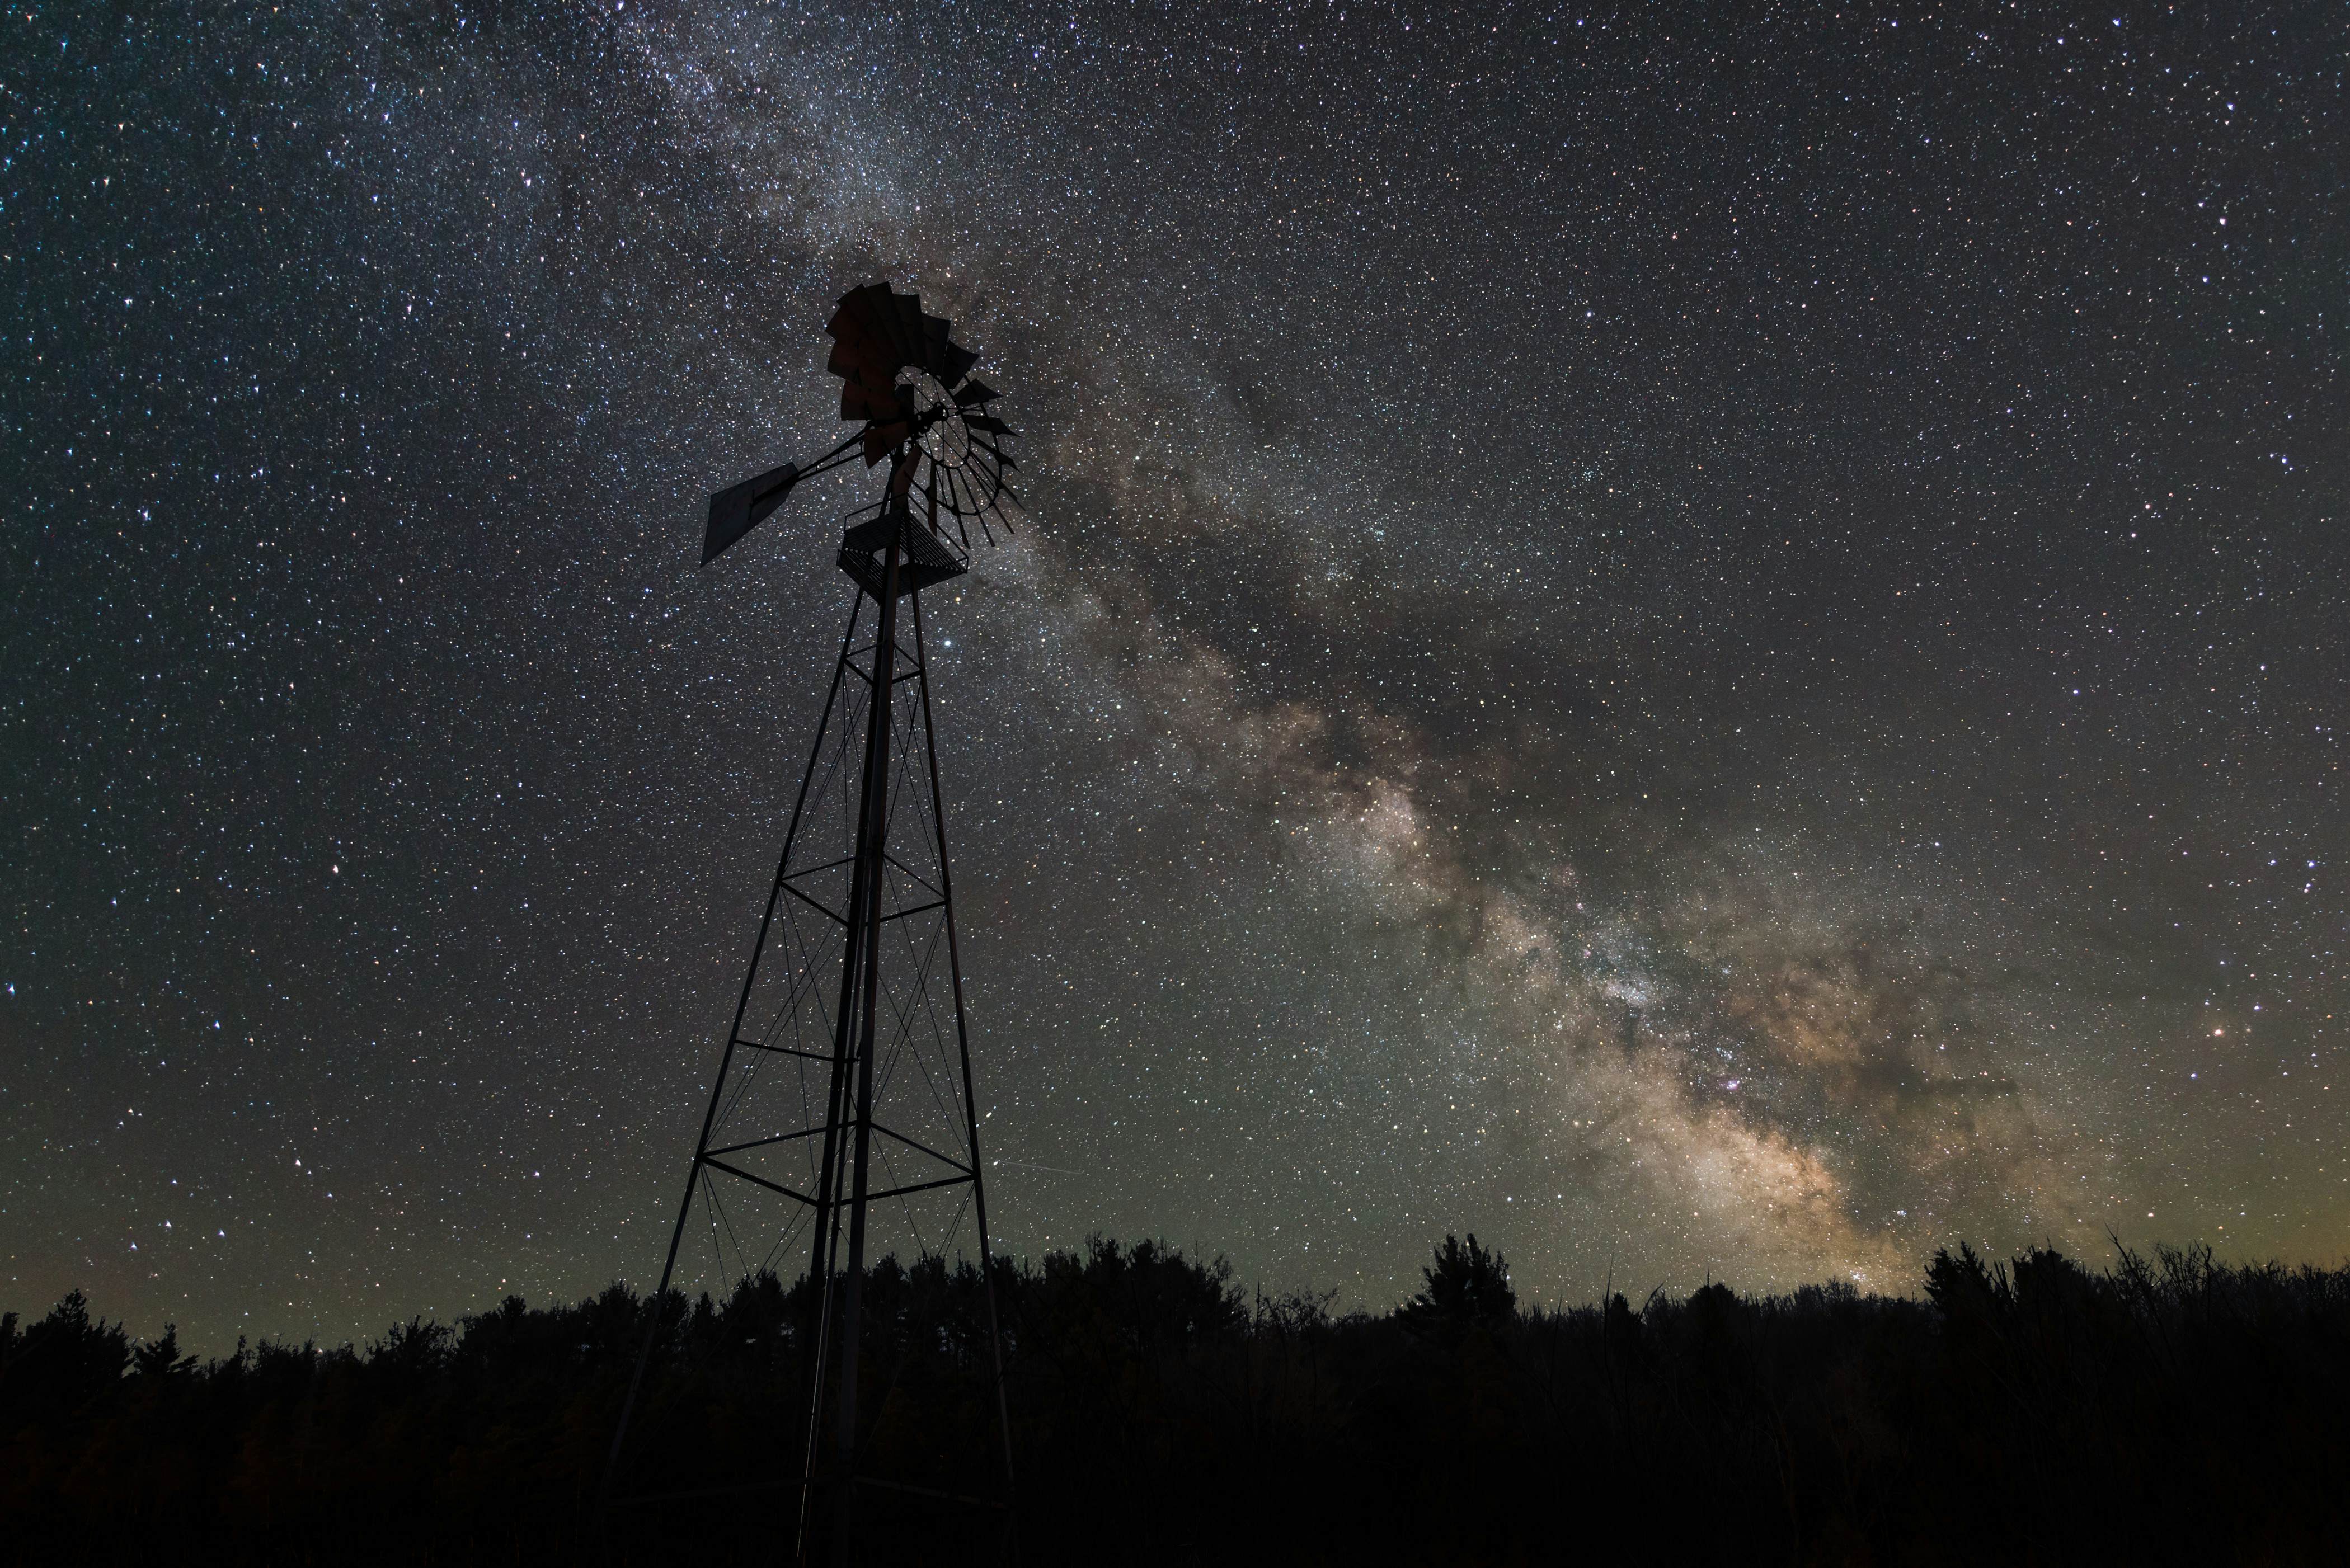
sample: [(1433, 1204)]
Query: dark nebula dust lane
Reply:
[(1707, 646)]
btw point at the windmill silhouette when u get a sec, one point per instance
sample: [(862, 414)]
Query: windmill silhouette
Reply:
[(843, 1106)]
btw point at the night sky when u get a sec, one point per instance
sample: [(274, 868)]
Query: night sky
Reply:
[(1706, 644)]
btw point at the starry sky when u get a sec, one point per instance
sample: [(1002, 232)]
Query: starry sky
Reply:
[(1708, 643)]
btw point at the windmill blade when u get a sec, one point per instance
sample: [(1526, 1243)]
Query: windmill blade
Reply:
[(854, 343), (871, 309), (974, 488), (938, 475), (928, 486), (860, 401), (883, 438), (907, 313), (864, 356), (987, 422), (868, 377), (955, 364), (986, 485), (971, 393), (957, 485), (937, 338), (859, 319)]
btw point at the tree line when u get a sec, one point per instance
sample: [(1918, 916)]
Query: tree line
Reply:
[(2158, 1408)]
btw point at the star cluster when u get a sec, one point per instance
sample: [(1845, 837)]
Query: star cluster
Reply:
[(1707, 646)]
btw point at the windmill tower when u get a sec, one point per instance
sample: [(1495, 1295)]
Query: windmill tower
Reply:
[(842, 1120)]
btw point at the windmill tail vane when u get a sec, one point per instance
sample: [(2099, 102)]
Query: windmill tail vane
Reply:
[(843, 1117)]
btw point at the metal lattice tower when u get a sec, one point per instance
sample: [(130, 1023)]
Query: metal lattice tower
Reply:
[(842, 1120)]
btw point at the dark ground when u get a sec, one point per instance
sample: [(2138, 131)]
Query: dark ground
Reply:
[(2159, 1410)]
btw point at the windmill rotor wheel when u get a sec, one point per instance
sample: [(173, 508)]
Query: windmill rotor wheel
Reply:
[(906, 380)]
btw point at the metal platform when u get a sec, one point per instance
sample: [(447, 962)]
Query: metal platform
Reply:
[(925, 558)]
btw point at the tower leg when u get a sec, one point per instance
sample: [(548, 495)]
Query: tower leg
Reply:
[(858, 963), (734, 1038), (876, 811), (962, 1049)]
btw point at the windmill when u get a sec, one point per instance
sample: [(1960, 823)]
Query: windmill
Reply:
[(843, 1105)]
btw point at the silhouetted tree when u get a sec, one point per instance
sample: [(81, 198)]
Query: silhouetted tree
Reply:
[(1466, 1286), (159, 1358), (64, 1361)]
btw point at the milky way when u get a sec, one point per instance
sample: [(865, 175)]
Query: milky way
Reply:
[(1704, 650)]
